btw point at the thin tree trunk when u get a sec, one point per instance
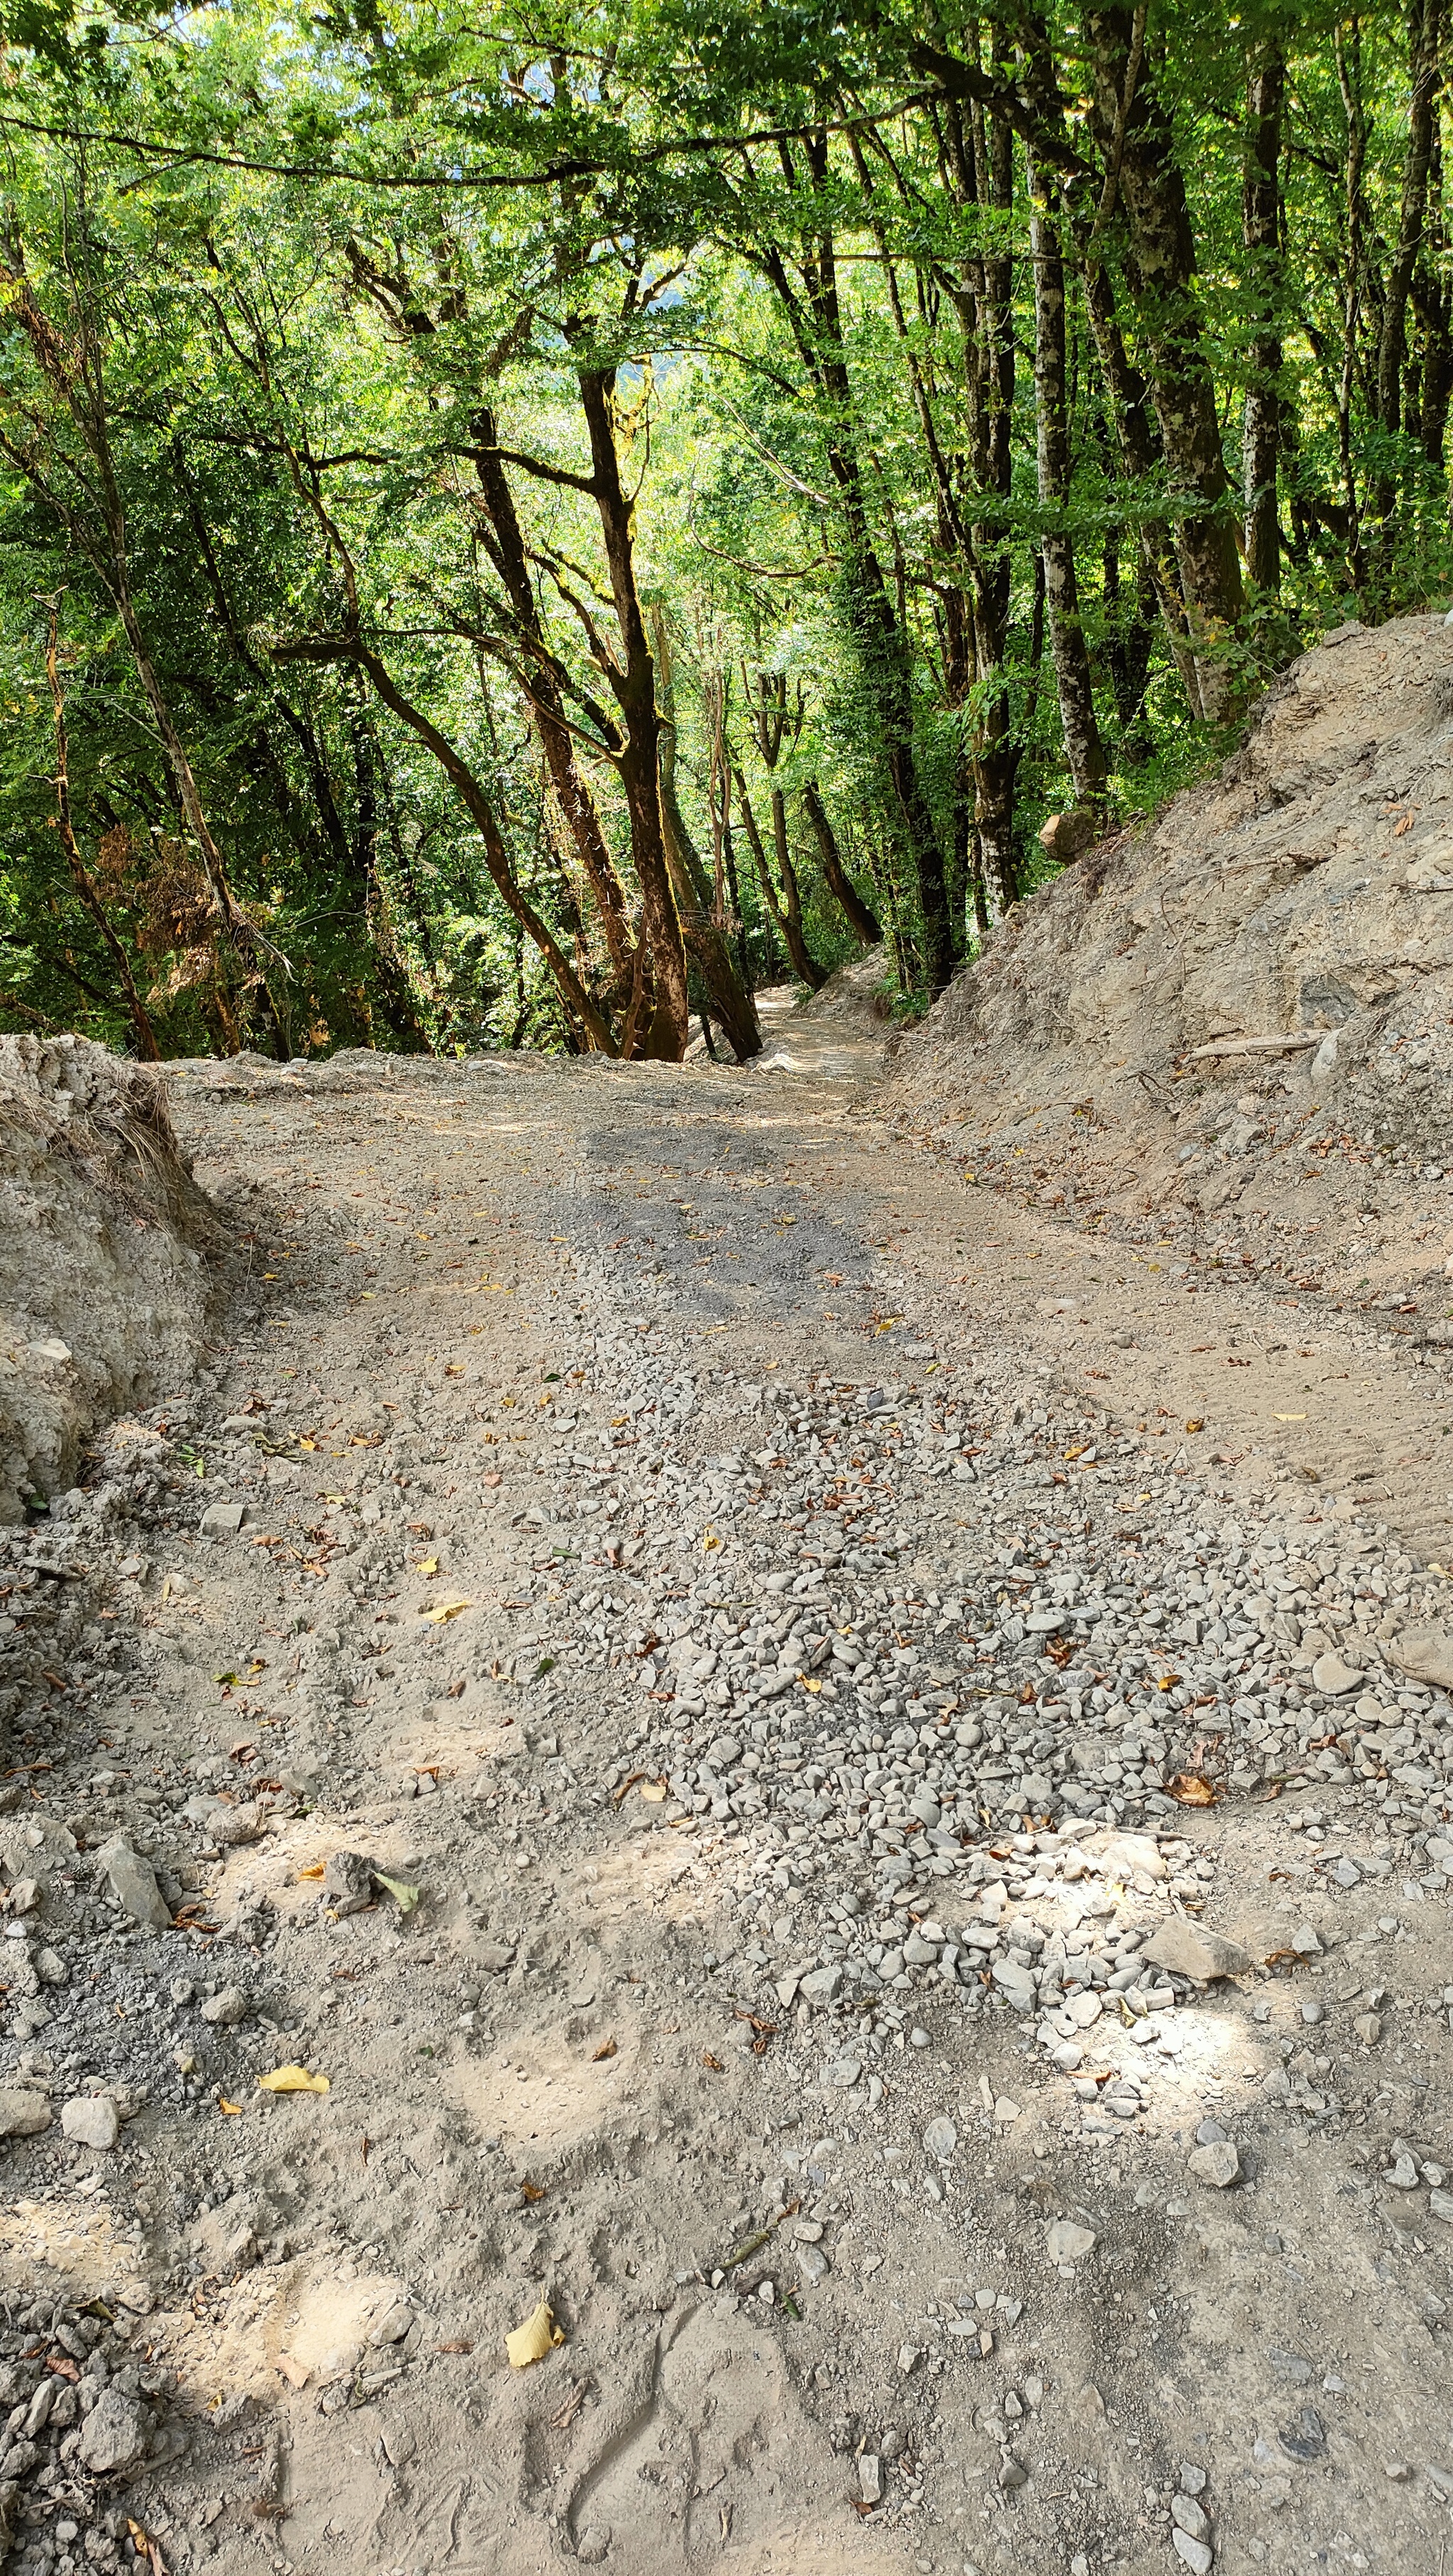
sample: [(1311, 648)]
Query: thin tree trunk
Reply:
[(1261, 234), (1084, 750), (706, 941), (1426, 74), (1433, 301), (991, 415), (787, 915), (1128, 398), (396, 999), (860, 917), (1349, 74), (639, 759), (146, 1045), (477, 806), (883, 648)]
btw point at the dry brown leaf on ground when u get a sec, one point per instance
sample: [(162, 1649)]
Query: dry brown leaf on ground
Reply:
[(1190, 1789)]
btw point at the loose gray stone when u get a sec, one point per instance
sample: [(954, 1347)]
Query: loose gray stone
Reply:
[(1216, 2166), (821, 1984), (1067, 2242), (222, 1520), (844, 2072), (113, 2435), (1187, 2515), (91, 2120), (1427, 1657), (940, 2138), (1188, 1950), (23, 2114), (870, 2478), (392, 2327), (1305, 2438), (226, 2008), (1192, 2553), (132, 1881), (1330, 1674), (593, 2546)]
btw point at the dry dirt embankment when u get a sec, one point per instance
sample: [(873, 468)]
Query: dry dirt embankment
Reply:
[(103, 1282), (1230, 1034)]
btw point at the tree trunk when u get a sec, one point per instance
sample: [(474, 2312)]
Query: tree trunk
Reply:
[(786, 914), (1261, 234), (882, 647), (397, 1003), (1084, 750), (1417, 159), (707, 943), (860, 917), (1426, 76), (990, 185), (639, 758), (543, 697), (146, 1046), (1128, 398), (477, 806), (1349, 74), (1152, 191)]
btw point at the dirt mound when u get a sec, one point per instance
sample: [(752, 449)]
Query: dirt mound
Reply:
[(853, 996), (103, 1278), (1242, 1015)]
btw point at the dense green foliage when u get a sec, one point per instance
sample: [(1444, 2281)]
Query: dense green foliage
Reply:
[(516, 522)]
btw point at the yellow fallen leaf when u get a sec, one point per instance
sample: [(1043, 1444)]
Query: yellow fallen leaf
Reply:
[(535, 2339), (709, 1540), (447, 1610), (1197, 1425), (428, 1565), (810, 1684), (653, 1791), (232, 2109), (292, 2079), (335, 1498), (315, 1872), (1289, 1417), (404, 1896)]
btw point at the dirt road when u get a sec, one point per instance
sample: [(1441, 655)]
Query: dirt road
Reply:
[(666, 1669)]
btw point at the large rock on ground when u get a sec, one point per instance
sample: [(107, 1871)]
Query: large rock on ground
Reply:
[(1188, 1950), (23, 2114), (132, 1882), (113, 2436)]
